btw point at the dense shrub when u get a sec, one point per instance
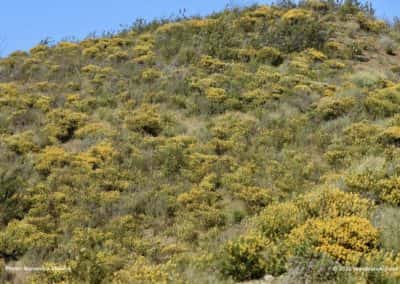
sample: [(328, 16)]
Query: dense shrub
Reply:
[(243, 258), (51, 158), (346, 239), (141, 272), (299, 29), (330, 107), (64, 123), (390, 136), (211, 64), (21, 143), (146, 120), (332, 203), (19, 237), (270, 55), (279, 219), (384, 102), (257, 140)]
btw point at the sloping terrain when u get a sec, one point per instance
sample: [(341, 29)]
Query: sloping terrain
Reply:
[(254, 141)]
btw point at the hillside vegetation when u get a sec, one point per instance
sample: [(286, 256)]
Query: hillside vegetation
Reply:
[(255, 141)]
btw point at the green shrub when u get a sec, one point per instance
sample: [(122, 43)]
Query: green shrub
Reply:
[(370, 24), (212, 65), (19, 237), (243, 258), (64, 123), (145, 119), (330, 107), (298, 30), (384, 102), (332, 203), (270, 55), (390, 190), (361, 133), (51, 158), (141, 272), (390, 136), (150, 75), (22, 143), (277, 220)]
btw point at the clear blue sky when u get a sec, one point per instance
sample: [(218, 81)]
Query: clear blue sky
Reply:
[(23, 23)]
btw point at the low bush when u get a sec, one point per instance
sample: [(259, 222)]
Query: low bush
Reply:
[(346, 239), (243, 258), (145, 119), (330, 107)]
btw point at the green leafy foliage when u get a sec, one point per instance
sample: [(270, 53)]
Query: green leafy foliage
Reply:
[(257, 140)]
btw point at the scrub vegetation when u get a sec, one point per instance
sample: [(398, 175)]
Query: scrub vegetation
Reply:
[(258, 140)]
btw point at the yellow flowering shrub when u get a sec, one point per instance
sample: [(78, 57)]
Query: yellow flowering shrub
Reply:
[(384, 102), (277, 220), (346, 239), (142, 49), (363, 182), (11, 96), (150, 75), (360, 133), (332, 203), (141, 271), (299, 66), (91, 52), (303, 90), (118, 56), (316, 55), (264, 11), (332, 107), (217, 95), (21, 143), (201, 165), (335, 64), (20, 236), (317, 5), (51, 157), (258, 96), (39, 50), (295, 15), (255, 197), (148, 58), (145, 119), (95, 129), (198, 197), (43, 103), (233, 125), (369, 24), (199, 23), (270, 55), (66, 47), (335, 49), (103, 151), (389, 190), (244, 54), (64, 122), (170, 27), (212, 65), (390, 135), (243, 258)]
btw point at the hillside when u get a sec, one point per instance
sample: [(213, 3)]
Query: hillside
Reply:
[(252, 142)]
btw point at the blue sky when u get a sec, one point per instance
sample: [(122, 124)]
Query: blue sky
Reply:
[(23, 23)]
